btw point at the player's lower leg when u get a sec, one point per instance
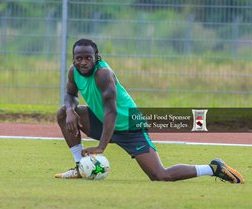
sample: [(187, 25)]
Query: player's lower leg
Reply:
[(152, 166), (74, 143)]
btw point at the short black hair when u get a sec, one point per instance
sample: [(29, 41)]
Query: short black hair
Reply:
[(87, 42)]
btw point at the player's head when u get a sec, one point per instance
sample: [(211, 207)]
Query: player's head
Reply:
[(85, 55), (88, 42)]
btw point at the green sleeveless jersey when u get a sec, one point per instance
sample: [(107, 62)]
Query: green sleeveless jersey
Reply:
[(92, 95)]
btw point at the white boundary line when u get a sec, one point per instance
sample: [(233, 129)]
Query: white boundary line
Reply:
[(157, 142), (31, 137), (202, 143)]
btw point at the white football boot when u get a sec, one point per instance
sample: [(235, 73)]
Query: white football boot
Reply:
[(72, 173)]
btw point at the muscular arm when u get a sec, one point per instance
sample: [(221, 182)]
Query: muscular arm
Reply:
[(71, 97), (71, 102), (105, 81)]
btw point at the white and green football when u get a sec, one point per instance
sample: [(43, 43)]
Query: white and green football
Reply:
[(94, 167)]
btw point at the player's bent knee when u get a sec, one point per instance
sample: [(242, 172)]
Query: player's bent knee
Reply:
[(82, 110), (161, 176)]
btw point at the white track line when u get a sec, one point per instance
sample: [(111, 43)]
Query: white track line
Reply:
[(33, 137), (202, 143), (157, 142)]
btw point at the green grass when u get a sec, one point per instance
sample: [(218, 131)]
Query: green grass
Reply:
[(28, 113), (25, 109), (169, 83), (28, 166)]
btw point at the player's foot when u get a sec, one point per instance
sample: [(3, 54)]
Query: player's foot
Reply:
[(225, 172), (72, 173)]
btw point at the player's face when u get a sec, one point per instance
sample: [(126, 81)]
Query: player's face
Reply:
[(84, 58)]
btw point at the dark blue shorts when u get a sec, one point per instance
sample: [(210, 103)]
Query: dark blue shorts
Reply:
[(133, 142)]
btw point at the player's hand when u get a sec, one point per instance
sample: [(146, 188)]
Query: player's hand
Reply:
[(73, 122), (92, 150)]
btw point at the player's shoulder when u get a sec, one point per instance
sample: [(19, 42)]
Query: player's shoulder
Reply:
[(71, 69), (102, 64), (102, 68), (71, 73), (102, 72)]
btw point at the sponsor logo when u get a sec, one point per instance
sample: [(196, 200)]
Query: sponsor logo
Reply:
[(199, 120)]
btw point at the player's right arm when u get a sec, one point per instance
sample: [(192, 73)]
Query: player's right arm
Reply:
[(71, 102)]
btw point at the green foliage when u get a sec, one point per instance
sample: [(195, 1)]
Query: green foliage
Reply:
[(30, 8), (166, 50), (27, 179), (151, 28), (211, 11)]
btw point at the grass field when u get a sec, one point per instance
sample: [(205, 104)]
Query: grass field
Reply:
[(28, 166), (194, 82)]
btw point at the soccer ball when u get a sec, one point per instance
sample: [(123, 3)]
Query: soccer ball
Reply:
[(94, 167)]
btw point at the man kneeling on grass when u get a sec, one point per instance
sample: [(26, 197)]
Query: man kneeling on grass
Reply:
[(106, 119)]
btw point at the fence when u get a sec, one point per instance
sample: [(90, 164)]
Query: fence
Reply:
[(166, 52)]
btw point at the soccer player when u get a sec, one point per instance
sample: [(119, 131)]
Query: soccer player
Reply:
[(105, 118)]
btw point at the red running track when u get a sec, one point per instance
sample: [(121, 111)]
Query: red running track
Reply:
[(52, 130)]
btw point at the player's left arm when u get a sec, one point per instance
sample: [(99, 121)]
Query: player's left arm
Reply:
[(106, 82)]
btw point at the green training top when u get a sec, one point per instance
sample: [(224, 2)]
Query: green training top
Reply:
[(92, 95)]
